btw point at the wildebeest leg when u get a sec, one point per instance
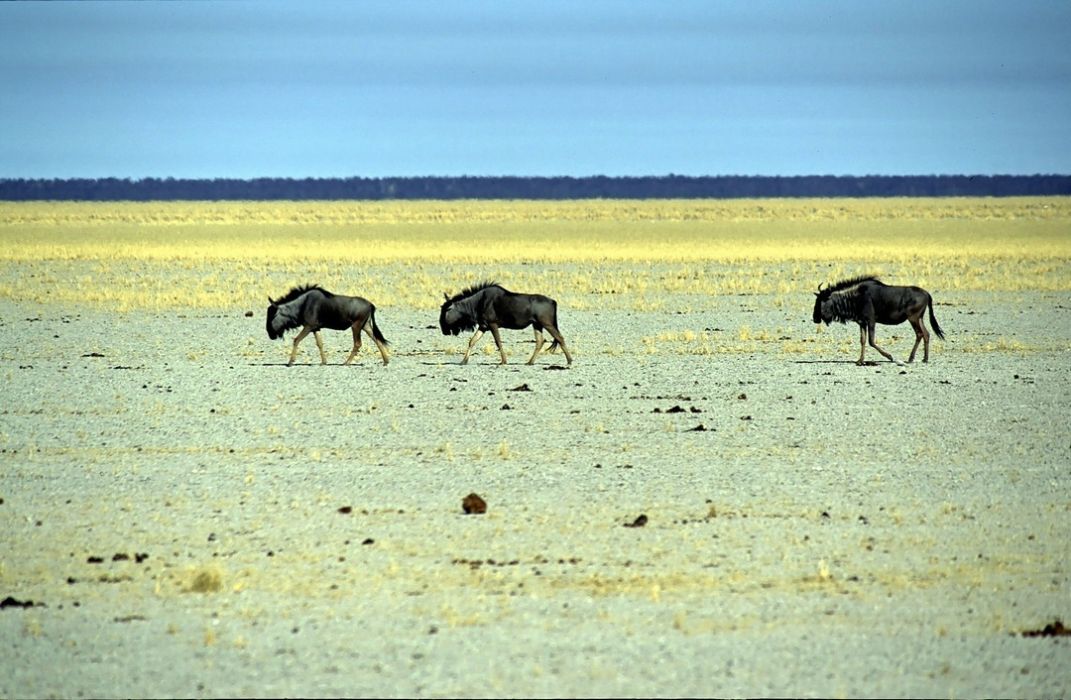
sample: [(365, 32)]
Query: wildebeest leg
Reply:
[(356, 344), (498, 342), (925, 339), (862, 344), (921, 334), (320, 345), (538, 342), (472, 343), (382, 349), (870, 333), (300, 336), (561, 341)]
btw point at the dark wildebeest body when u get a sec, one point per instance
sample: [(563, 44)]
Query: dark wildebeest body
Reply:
[(867, 301), (313, 308), (488, 306)]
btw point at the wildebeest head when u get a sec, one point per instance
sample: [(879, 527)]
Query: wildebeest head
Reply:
[(452, 319), (273, 308), (823, 306)]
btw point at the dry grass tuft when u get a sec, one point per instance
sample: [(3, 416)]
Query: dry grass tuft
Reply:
[(206, 579)]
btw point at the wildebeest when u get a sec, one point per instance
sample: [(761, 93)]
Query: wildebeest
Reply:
[(490, 306), (312, 307), (867, 300)]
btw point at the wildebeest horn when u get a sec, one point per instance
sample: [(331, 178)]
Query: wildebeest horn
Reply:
[(271, 301), (819, 292), (446, 296)]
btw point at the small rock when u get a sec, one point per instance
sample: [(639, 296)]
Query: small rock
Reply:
[(638, 522), (345, 510), (473, 505)]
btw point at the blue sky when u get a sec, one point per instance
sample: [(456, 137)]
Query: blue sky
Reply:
[(555, 87)]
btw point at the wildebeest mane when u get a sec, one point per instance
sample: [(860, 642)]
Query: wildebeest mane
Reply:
[(295, 292), (469, 291), (847, 284)]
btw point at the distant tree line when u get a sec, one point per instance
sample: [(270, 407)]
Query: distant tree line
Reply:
[(513, 187)]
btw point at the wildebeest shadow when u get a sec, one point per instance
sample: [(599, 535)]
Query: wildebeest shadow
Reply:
[(301, 364), (457, 363), (867, 363)]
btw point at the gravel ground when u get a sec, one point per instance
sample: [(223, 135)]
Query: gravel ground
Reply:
[(756, 521)]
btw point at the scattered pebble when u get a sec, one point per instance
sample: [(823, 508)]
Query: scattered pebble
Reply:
[(638, 522), (473, 504)]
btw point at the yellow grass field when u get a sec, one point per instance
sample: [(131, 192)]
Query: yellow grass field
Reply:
[(644, 255)]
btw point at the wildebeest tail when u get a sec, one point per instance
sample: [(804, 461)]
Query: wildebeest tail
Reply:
[(375, 329), (933, 322), (554, 345)]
